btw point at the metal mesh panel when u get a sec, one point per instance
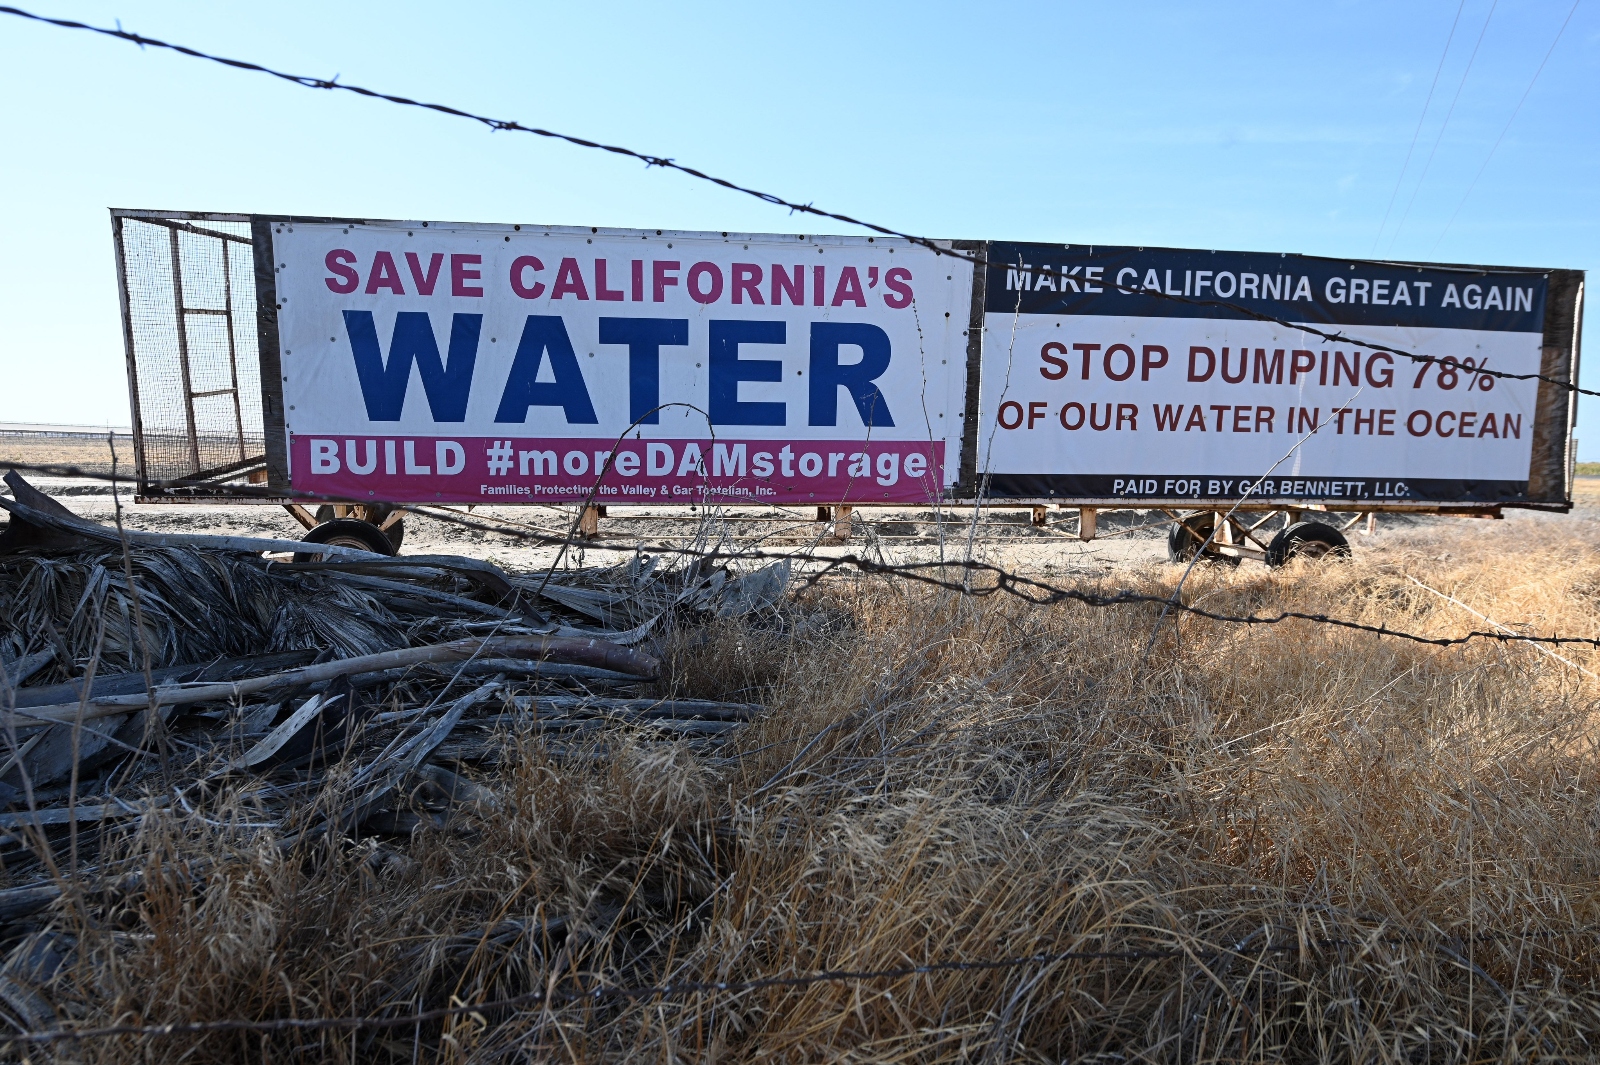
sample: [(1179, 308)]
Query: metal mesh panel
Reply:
[(196, 368)]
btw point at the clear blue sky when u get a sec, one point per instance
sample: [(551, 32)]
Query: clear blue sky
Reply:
[(1257, 126)]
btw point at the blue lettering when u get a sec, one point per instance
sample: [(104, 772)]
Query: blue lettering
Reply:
[(541, 333), (828, 375), (644, 337), (383, 383), (727, 370)]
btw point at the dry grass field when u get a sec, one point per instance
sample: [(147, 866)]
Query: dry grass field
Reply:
[(1272, 843)]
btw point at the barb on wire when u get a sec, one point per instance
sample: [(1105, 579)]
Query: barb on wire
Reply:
[(937, 247), (1007, 582)]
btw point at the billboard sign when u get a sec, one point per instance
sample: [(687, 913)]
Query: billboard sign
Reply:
[(1120, 373), (476, 364)]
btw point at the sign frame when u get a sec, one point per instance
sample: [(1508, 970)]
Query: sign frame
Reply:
[(1551, 465)]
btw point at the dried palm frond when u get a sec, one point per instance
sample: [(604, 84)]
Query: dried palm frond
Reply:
[(193, 606)]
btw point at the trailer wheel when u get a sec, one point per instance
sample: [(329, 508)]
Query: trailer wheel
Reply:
[(376, 515), (1307, 539), (1182, 543), (347, 532)]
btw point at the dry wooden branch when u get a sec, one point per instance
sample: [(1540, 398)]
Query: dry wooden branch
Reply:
[(61, 815), (26, 666), (588, 652), (77, 526)]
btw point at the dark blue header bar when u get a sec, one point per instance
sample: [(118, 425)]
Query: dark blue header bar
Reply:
[(1227, 284)]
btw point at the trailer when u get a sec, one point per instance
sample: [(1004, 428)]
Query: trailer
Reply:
[(347, 369)]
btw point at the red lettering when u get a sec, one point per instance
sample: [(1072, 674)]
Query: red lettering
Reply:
[(611, 295), (1087, 350), (1301, 362), (817, 286), (569, 279), (1353, 368), (337, 263), (1146, 364), (662, 278), (1058, 366), (1132, 362), (897, 280), (425, 282), (385, 274), (1384, 379), (784, 285), (1244, 359), (747, 282), (708, 270), (638, 280), (518, 272), (849, 289), (461, 273)]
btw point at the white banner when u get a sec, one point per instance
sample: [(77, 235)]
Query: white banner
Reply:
[(1127, 394), (474, 363)]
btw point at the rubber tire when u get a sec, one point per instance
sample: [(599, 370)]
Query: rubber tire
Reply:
[(396, 532), (347, 532), (1308, 540), (1182, 544)]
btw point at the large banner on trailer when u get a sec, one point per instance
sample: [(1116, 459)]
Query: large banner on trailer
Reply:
[(481, 364), (1130, 373)]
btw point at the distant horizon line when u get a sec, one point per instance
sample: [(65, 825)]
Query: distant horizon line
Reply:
[(64, 427)]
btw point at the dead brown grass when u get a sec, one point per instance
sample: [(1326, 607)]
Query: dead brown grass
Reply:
[(1365, 849)]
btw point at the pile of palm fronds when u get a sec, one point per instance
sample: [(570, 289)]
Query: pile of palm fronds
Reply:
[(332, 691)]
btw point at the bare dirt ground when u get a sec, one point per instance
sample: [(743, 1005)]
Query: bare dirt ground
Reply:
[(1129, 540), (87, 452)]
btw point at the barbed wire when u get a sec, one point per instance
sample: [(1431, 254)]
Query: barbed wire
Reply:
[(1031, 590), (674, 988), (978, 260)]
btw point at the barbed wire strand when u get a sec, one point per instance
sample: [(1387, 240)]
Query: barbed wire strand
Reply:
[(1008, 582), (936, 246)]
